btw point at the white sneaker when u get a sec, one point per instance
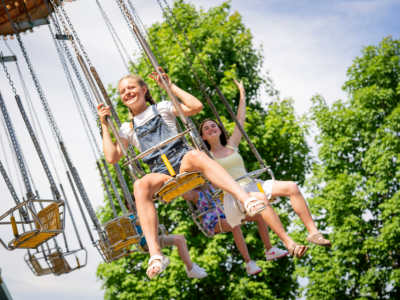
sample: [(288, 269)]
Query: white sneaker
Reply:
[(275, 253), (252, 268), (196, 272)]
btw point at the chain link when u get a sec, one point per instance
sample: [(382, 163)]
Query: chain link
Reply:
[(75, 95), (111, 29), (7, 74), (129, 21), (14, 157)]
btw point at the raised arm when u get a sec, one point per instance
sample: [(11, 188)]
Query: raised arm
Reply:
[(190, 106), (234, 140), (112, 151)]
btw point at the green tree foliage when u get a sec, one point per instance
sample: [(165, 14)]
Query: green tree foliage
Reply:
[(225, 46), (355, 188)]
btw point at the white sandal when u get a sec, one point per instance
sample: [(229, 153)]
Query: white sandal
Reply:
[(162, 264), (251, 202)]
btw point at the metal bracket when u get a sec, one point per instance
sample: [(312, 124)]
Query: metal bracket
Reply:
[(8, 58), (28, 25), (63, 37)]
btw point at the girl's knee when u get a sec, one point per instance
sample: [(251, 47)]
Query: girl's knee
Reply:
[(293, 188), (179, 240)]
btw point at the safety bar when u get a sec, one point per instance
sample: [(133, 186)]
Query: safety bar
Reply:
[(162, 144)]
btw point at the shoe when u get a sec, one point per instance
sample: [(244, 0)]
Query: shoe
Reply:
[(196, 272), (275, 253), (200, 267), (252, 268)]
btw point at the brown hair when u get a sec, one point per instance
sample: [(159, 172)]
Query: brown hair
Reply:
[(223, 138), (147, 96)]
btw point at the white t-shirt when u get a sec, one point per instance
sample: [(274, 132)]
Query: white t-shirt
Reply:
[(165, 110)]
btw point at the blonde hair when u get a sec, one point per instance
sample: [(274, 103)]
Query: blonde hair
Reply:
[(148, 98)]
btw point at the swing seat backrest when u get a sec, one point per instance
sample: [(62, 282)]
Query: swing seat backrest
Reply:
[(121, 233), (50, 218), (179, 185), (109, 254), (59, 263), (38, 268)]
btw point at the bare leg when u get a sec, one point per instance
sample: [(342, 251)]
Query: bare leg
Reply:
[(180, 243), (198, 161), (262, 229), (290, 189), (144, 190), (238, 237), (273, 221)]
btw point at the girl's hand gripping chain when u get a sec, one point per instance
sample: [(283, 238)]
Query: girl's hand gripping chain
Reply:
[(157, 78)]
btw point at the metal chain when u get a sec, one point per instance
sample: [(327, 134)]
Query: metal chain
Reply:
[(14, 156), (26, 93), (12, 191), (145, 32), (201, 85), (77, 74), (71, 216), (80, 206), (109, 26), (129, 21), (73, 30), (50, 118), (114, 187), (6, 159), (74, 93), (16, 148), (7, 74), (110, 199), (34, 117)]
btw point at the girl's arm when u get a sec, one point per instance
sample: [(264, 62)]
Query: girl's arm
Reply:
[(234, 140), (112, 151), (190, 106)]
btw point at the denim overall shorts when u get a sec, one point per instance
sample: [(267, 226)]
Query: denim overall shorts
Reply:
[(154, 132)]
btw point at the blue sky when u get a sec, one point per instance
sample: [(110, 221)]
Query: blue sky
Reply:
[(308, 46)]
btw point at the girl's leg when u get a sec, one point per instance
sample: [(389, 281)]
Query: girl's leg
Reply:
[(290, 189), (144, 190), (237, 235), (273, 221), (196, 160), (180, 243), (262, 229)]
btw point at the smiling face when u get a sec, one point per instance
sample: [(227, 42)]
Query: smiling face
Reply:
[(132, 94), (210, 131)]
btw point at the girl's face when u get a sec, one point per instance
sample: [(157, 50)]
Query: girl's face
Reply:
[(211, 131), (131, 92)]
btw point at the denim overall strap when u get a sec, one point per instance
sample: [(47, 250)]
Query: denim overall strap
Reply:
[(152, 133)]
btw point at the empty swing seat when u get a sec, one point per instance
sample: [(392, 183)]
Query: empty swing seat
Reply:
[(179, 185), (38, 270), (121, 233), (109, 255), (59, 263), (50, 219)]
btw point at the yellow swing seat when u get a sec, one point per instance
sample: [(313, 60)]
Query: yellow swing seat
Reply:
[(121, 233), (51, 223), (179, 185)]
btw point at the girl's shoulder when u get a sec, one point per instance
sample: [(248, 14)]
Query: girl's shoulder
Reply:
[(125, 127), (165, 107)]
